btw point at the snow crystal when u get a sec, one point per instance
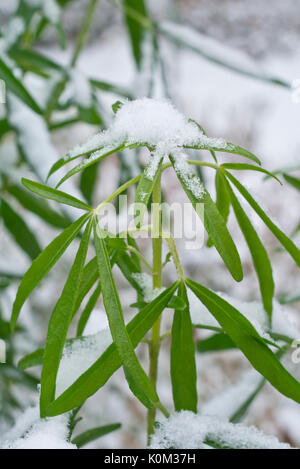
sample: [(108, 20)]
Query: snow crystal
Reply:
[(191, 180), (79, 356), (226, 404), (152, 122), (145, 282), (31, 432), (186, 430)]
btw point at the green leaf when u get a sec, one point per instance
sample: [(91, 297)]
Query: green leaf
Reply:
[(289, 298), (19, 230), (247, 339), (222, 199), (89, 277), (143, 192), (43, 263), (88, 310), (109, 362), (116, 320), (183, 364), (250, 167), (15, 86), (135, 29), (88, 181), (128, 267), (93, 434), (32, 359), (282, 238), (54, 194), (215, 343), (242, 411), (111, 88), (93, 159), (259, 254), (215, 227), (39, 207), (228, 148), (117, 106), (32, 60), (295, 182), (59, 324)]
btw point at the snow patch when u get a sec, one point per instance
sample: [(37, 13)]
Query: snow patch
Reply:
[(79, 356), (145, 282), (154, 123), (186, 430), (31, 432)]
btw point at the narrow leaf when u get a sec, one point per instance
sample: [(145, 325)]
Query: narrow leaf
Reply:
[(215, 227), (116, 321), (59, 324), (215, 343), (32, 359), (19, 230), (43, 263), (15, 86), (39, 207), (93, 434), (93, 159), (54, 194), (88, 310), (295, 182), (259, 254), (135, 29), (282, 238), (250, 167), (183, 365), (109, 362), (247, 339)]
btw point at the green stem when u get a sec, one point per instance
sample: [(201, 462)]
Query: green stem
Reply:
[(81, 41), (84, 33), (116, 193), (154, 345)]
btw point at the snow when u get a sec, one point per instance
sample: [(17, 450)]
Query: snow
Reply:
[(190, 179), (11, 33), (282, 322), (186, 430), (145, 282), (51, 11), (154, 123), (31, 432), (226, 404), (79, 87), (33, 136), (79, 356)]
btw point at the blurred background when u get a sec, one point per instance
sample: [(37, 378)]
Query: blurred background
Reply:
[(230, 65)]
